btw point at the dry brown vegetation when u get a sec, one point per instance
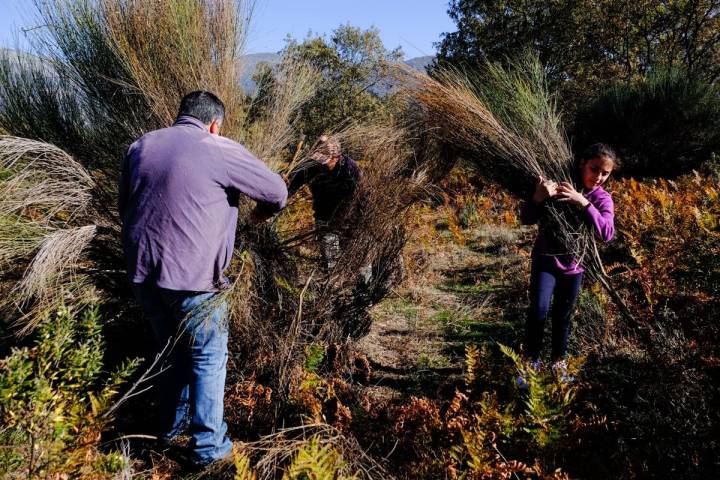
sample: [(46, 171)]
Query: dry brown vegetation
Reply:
[(427, 394), (119, 88)]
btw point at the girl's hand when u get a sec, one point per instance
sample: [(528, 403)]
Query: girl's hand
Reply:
[(567, 193), (544, 189)]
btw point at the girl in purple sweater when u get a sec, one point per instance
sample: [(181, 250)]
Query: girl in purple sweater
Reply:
[(554, 273)]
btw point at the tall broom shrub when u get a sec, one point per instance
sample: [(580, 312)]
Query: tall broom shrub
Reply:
[(663, 125)]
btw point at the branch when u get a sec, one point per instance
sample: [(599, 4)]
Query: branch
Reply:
[(145, 377), (604, 280)]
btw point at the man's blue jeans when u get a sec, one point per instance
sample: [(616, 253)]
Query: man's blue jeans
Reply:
[(191, 390)]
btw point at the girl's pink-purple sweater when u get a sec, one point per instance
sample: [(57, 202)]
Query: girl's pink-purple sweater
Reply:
[(547, 254)]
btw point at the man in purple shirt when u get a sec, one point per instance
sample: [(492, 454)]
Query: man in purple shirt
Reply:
[(179, 193)]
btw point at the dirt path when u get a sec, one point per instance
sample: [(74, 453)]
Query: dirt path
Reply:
[(470, 293)]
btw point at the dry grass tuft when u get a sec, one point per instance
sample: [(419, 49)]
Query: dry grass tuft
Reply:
[(46, 198), (172, 47), (277, 450), (45, 181), (59, 255), (269, 137)]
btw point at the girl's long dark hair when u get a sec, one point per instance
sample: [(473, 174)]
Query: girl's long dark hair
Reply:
[(598, 150)]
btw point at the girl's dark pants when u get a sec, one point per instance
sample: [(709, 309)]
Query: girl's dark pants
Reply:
[(544, 285)]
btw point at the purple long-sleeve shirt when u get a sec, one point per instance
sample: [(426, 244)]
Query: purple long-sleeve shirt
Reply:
[(547, 254), (179, 194)]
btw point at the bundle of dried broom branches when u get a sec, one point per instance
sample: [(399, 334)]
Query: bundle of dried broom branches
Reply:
[(505, 121)]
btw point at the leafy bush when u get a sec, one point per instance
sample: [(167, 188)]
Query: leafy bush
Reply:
[(586, 44), (354, 65), (55, 401), (663, 126)]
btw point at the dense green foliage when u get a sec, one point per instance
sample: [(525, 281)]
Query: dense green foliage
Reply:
[(354, 65), (55, 399), (662, 126), (587, 43)]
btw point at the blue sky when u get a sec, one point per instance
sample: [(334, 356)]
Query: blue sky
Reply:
[(412, 25)]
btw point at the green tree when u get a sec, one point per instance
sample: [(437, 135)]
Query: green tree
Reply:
[(587, 43), (354, 65)]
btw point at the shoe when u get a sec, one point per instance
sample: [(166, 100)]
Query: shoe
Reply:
[(160, 444), (520, 380), (559, 368), (192, 465)]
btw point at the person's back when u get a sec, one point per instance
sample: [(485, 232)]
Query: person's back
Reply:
[(180, 208)]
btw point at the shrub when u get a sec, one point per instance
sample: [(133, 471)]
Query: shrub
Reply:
[(483, 432), (662, 126), (55, 401), (669, 230), (355, 66)]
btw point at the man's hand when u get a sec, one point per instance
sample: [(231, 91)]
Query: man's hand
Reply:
[(544, 189), (567, 193)]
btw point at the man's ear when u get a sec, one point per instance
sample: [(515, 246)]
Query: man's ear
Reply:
[(214, 127)]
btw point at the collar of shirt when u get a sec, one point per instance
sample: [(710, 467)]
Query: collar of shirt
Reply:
[(342, 161), (587, 193), (188, 120)]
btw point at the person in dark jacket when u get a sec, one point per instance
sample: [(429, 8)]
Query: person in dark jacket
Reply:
[(333, 179), (179, 192)]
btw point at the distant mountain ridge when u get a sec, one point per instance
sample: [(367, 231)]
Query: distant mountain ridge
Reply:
[(251, 61), (420, 63)]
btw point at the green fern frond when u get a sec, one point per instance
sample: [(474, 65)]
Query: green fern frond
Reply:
[(547, 400), (511, 354), (314, 461), (243, 470)]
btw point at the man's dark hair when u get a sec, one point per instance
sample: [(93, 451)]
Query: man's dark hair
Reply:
[(205, 106)]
